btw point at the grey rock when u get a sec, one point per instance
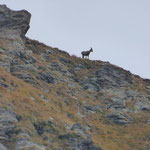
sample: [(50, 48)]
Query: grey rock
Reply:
[(24, 143), (79, 129), (65, 61), (26, 77), (57, 67), (116, 103), (7, 122), (51, 51), (142, 105), (45, 56), (77, 126), (120, 118), (2, 147), (107, 76), (28, 59), (77, 143), (3, 84), (14, 20), (117, 75), (5, 65), (93, 108), (132, 93), (92, 84), (47, 77), (22, 67), (85, 145)]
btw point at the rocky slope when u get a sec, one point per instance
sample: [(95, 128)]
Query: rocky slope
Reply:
[(50, 100)]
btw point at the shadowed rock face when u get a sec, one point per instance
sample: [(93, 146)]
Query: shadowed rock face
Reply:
[(2, 147), (14, 21)]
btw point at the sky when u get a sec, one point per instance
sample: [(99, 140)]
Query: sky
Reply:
[(117, 30)]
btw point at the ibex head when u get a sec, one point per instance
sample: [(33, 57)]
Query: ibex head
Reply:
[(91, 50)]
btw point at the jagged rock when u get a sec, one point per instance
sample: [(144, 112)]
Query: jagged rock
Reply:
[(3, 84), (22, 67), (79, 129), (92, 84), (116, 103), (5, 64), (107, 76), (77, 126), (119, 118), (7, 122), (56, 67), (115, 75), (94, 108), (2, 147), (22, 144), (26, 77), (65, 61), (16, 21), (25, 57), (132, 94), (142, 105), (45, 56), (47, 77)]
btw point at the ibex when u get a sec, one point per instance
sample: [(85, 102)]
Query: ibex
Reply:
[(86, 53)]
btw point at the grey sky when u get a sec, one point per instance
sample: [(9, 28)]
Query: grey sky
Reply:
[(118, 30)]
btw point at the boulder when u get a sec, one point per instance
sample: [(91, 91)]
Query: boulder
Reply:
[(119, 118), (2, 147), (142, 105), (116, 103), (47, 77), (106, 77), (22, 144), (93, 108), (14, 21), (7, 122)]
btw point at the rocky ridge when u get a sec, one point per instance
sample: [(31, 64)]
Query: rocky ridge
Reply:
[(51, 100)]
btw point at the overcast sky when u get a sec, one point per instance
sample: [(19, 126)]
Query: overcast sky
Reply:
[(118, 30)]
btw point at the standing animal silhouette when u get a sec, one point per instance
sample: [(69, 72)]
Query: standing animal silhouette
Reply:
[(86, 53)]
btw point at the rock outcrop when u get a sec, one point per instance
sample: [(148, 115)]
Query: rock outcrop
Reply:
[(16, 22)]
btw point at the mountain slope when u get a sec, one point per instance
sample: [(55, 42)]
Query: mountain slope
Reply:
[(50, 100)]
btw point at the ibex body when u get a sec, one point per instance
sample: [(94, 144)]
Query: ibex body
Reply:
[(86, 53)]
